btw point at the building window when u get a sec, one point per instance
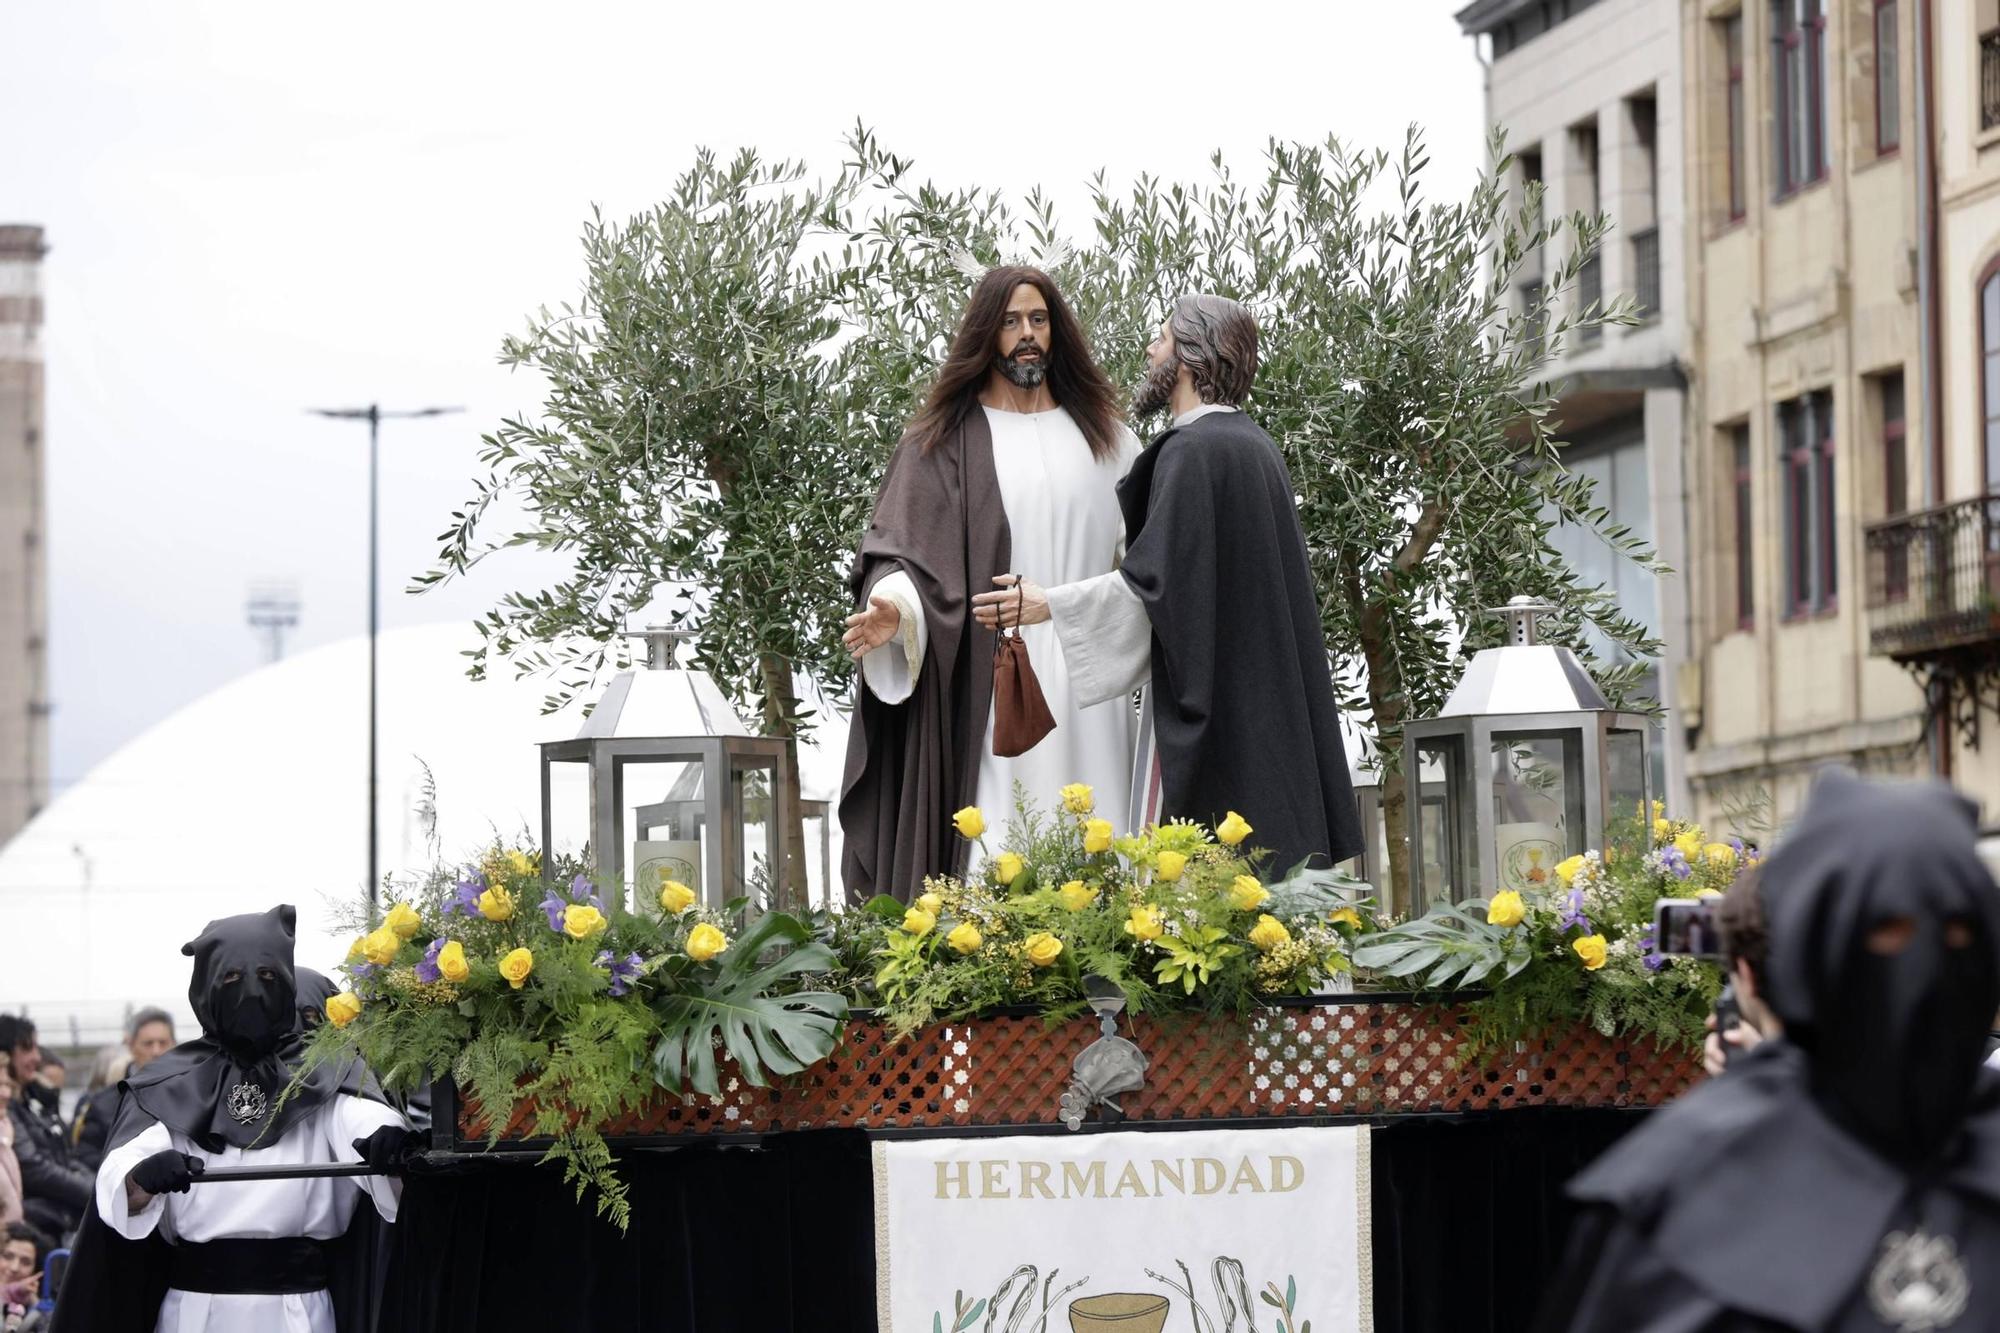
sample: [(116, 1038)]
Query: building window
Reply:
[(1805, 443), (1746, 527), (1739, 166), (1895, 481), (1989, 347), (1798, 66), (1888, 99)]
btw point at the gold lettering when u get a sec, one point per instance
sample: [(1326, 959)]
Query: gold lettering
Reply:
[(1035, 1176), (1209, 1175), (992, 1180), (1168, 1171), (1086, 1181), (1130, 1178), (953, 1175), (1246, 1173), (1284, 1181)]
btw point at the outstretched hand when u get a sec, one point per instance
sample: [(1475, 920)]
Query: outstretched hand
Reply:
[(870, 629), (1020, 602)]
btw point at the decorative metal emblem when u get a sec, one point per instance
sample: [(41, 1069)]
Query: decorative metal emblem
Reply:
[(1919, 1283), (1108, 1067), (247, 1104)]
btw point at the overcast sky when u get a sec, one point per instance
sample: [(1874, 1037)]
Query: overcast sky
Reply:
[(255, 209)]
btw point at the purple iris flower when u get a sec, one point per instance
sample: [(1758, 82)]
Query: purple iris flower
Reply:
[(427, 970), (1649, 950), (1572, 914), (554, 907), (623, 971), (465, 895), (580, 890), (1674, 863)]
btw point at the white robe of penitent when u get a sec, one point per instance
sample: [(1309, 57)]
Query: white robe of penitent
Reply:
[(262, 1209), (1065, 525)]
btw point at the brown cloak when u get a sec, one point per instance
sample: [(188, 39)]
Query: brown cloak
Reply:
[(912, 765)]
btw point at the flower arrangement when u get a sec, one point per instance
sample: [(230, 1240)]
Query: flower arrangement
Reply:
[(514, 979), (1582, 952), (1175, 915)]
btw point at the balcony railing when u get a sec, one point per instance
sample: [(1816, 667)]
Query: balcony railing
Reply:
[(1989, 79), (1590, 292), (1646, 272), (1934, 580)]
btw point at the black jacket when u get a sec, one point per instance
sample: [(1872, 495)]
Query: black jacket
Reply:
[(90, 1132), (48, 1172)]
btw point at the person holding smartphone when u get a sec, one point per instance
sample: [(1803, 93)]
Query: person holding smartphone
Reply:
[(1739, 919)]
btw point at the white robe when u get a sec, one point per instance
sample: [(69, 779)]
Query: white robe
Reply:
[(1062, 514), (263, 1209)]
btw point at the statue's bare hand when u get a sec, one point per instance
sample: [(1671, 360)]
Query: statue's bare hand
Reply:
[(1027, 604), (870, 629)]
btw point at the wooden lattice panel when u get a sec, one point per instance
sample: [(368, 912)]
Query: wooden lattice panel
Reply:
[(1353, 1057)]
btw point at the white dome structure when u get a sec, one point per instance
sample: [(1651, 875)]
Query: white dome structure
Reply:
[(256, 794)]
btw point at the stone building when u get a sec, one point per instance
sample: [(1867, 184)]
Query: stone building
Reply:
[(24, 706)]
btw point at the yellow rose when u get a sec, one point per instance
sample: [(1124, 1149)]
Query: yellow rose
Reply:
[(918, 922), (380, 946), (1145, 923), (1233, 829), (1171, 864), (1076, 895), (675, 897), (581, 921), (1347, 915), (1269, 933), (1246, 894), (357, 950), (1078, 799), (515, 966), (1720, 854), (931, 903), (1689, 844), (451, 962), (1566, 870), (1506, 909), (343, 1008), (965, 937), (522, 864), (403, 920), (1592, 950), (1042, 949), (1097, 836), (496, 904), (705, 942), (969, 822), (1661, 829), (1008, 866)]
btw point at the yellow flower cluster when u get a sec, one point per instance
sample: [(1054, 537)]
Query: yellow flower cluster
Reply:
[(1076, 895), (1269, 933), (1247, 895)]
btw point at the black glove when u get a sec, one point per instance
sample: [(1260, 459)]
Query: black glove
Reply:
[(166, 1172), (389, 1147)]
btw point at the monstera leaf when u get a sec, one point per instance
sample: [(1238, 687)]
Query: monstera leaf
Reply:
[(765, 1034), (1306, 891)]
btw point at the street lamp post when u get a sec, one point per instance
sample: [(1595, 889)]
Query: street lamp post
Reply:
[(374, 416)]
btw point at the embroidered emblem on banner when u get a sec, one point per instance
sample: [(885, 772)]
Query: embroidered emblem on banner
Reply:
[(246, 1103), (1919, 1283)]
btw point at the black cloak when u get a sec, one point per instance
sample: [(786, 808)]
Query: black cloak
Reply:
[(251, 1029), (1244, 713), (912, 765), (1809, 1187)]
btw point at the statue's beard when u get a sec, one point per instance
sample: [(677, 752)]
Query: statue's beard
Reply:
[(1157, 389), (1024, 374)]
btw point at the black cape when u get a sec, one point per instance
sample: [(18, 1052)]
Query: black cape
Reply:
[(1244, 712)]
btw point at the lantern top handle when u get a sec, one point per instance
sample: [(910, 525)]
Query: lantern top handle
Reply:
[(662, 645), (1522, 613)]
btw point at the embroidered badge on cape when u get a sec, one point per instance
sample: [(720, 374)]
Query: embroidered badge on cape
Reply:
[(1919, 1283), (246, 1103)]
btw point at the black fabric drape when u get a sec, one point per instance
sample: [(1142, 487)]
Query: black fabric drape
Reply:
[(1469, 1226)]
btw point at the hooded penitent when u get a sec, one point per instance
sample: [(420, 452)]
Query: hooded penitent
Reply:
[(223, 1088), (1848, 1175)]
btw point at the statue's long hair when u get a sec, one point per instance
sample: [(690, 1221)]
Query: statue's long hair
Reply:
[(1074, 380)]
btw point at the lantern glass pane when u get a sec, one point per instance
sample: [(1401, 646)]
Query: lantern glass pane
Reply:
[(1536, 784), (1629, 819), (755, 865), (1441, 823), (663, 823), (569, 810)]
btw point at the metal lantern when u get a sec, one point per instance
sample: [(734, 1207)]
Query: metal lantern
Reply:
[(1531, 763), (1372, 863), (671, 785)]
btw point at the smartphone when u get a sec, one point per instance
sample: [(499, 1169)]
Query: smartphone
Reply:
[(1685, 928)]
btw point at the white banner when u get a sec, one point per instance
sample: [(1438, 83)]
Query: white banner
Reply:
[(1179, 1231)]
